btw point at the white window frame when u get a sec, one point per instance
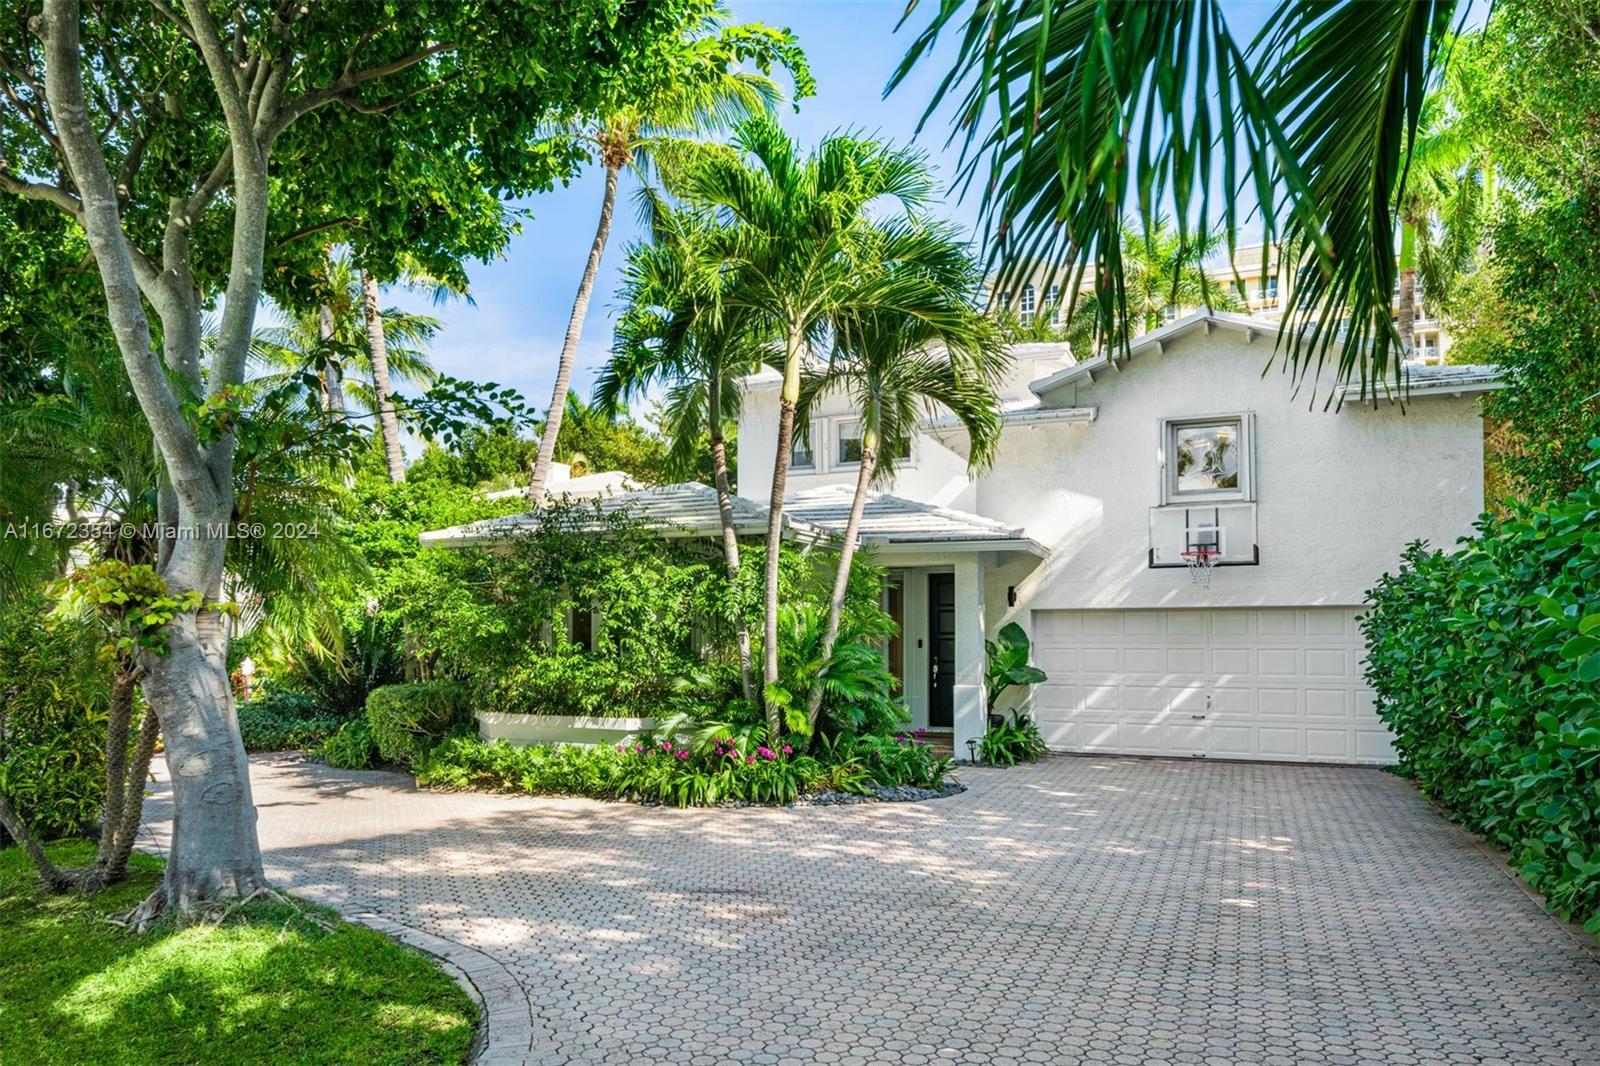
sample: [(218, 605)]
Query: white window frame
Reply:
[(1027, 303), (1247, 453), (812, 467), (1052, 297), (838, 437)]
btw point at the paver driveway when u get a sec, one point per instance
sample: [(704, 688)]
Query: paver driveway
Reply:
[(1084, 909)]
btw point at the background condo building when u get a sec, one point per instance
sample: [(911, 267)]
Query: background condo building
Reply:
[(1258, 281)]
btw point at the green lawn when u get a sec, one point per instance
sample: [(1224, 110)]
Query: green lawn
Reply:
[(267, 986)]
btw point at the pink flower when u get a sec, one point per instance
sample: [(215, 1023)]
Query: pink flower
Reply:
[(787, 750), (750, 760), (666, 745), (638, 749), (683, 754)]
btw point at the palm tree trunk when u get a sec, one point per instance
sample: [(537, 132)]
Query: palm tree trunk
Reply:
[(332, 386), (378, 347), (730, 538), (841, 577), (787, 401), (569, 346), (1406, 314)]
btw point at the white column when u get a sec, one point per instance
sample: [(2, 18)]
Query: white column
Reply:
[(970, 709)]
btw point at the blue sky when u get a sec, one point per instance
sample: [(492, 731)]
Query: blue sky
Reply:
[(512, 333)]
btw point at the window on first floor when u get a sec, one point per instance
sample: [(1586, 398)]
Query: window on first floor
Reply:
[(1207, 458)]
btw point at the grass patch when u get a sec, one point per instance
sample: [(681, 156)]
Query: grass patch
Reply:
[(269, 985)]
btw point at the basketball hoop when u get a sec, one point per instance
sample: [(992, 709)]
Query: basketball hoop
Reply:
[(1201, 561)]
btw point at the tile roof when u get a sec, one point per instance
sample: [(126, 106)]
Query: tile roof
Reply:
[(690, 509)]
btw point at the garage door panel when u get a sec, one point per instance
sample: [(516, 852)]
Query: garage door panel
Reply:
[(1242, 683)]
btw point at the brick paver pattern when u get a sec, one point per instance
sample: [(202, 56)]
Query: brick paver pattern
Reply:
[(1078, 910)]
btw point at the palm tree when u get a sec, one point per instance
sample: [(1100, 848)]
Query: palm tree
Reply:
[(899, 366), (664, 129), (1073, 110), (807, 253), (1447, 203), (348, 331), (1162, 270), (676, 329)]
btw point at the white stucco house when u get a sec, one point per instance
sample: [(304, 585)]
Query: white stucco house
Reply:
[(1107, 471)]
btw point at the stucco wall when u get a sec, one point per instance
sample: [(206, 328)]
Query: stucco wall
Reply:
[(1339, 494)]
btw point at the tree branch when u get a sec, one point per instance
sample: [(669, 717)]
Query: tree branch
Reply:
[(340, 88), (308, 231), (119, 263), (175, 18), (43, 192)]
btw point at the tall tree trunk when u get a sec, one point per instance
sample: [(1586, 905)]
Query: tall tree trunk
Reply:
[(214, 851), (787, 401), (730, 538), (332, 380), (1405, 318), (214, 847), (841, 577), (569, 345), (377, 345)]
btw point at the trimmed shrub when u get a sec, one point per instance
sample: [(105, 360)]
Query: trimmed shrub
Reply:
[(351, 748), (55, 691), (570, 770), (282, 720), (408, 720), (1486, 665)]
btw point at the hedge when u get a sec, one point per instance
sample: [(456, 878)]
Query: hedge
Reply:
[(408, 720), (1486, 666), (284, 720)]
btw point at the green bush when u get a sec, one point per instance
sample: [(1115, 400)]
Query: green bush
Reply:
[(1486, 665), (351, 748), (282, 720), (1012, 742), (408, 720), (55, 692), (566, 769), (578, 684)]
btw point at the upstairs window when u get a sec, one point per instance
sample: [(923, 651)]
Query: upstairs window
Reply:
[(1207, 458), (1052, 296), (800, 455), (1025, 307), (849, 453)]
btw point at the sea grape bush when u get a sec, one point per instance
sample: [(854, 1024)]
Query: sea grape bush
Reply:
[(1486, 666)]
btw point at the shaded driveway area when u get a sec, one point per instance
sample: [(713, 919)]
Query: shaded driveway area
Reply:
[(1079, 910)]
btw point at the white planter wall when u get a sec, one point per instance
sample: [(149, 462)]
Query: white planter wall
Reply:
[(526, 730)]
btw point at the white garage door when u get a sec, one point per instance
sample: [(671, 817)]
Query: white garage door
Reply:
[(1275, 683)]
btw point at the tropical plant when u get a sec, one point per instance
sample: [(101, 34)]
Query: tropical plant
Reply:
[(1486, 666), (1163, 270), (1010, 742), (351, 748), (188, 161), (808, 252), (1008, 664), (1070, 112), (661, 124), (899, 366), (284, 720), (677, 330), (407, 720), (336, 340)]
